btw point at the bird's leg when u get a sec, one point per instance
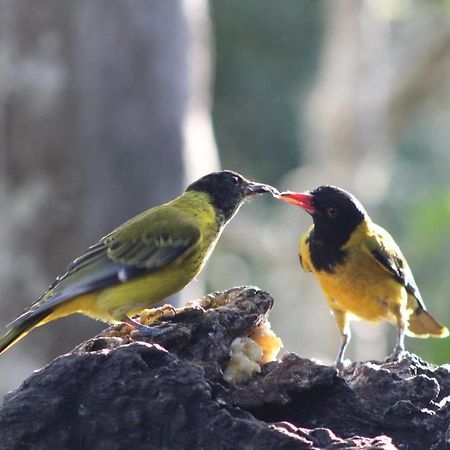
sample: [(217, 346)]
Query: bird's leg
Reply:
[(400, 345), (340, 356), (344, 328), (144, 329)]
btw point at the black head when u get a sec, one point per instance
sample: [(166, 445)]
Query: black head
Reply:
[(227, 190), (335, 212)]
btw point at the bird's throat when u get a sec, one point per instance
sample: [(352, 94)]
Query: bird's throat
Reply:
[(325, 256)]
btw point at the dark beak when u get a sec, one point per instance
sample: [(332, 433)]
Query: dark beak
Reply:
[(303, 200), (251, 188)]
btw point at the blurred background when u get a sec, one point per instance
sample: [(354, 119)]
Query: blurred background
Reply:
[(108, 107)]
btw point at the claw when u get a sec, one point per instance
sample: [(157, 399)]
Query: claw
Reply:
[(144, 329), (150, 316)]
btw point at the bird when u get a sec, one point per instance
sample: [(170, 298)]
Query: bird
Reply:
[(143, 261), (360, 268)]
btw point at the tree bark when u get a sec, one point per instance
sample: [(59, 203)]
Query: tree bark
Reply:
[(118, 391)]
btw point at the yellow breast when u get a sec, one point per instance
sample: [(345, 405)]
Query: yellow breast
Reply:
[(359, 285)]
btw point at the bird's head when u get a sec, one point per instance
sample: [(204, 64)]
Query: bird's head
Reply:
[(335, 212), (228, 190)]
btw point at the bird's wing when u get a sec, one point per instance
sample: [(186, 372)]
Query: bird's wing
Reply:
[(154, 240), (138, 247), (386, 252)]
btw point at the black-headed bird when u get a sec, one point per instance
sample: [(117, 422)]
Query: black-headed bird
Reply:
[(360, 268), (143, 261)]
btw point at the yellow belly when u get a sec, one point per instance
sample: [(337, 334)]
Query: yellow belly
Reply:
[(361, 287), (131, 298)]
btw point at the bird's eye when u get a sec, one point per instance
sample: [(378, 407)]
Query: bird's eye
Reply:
[(331, 212), (235, 180)]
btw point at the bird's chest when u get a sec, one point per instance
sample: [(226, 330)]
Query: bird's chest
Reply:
[(360, 286), (198, 256)]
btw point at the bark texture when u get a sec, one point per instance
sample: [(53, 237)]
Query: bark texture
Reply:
[(120, 391)]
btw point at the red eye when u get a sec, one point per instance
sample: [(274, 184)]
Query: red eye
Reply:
[(331, 212)]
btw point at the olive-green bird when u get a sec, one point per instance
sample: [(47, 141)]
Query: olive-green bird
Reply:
[(360, 268), (143, 261)]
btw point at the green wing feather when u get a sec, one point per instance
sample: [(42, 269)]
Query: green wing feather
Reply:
[(387, 253), (153, 239)]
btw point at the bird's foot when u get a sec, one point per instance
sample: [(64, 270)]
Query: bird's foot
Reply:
[(397, 355), (151, 315), (341, 365), (144, 329)]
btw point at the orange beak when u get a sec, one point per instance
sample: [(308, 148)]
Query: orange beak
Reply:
[(303, 200)]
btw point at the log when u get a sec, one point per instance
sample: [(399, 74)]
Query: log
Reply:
[(124, 390)]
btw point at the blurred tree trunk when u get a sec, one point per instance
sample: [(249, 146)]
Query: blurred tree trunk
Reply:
[(95, 101), (348, 131)]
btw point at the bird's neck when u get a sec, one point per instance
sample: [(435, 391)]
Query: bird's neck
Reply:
[(325, 254), (364, 229), (329, 249), (198, 206)]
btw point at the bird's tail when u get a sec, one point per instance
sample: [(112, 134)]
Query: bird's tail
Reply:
[(423, 325), (18, 331)]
